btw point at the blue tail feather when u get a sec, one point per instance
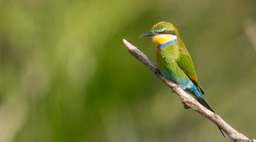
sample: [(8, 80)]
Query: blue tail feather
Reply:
[(196, 91)]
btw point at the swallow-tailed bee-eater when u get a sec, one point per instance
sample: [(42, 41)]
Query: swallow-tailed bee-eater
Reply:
[(174, 61)]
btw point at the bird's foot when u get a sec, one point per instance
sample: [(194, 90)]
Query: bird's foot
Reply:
[(157, 71)]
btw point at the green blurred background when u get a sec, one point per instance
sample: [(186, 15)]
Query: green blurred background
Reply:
[(67, 77)]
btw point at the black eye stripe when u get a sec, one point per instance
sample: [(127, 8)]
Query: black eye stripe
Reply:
[(171, 32), (167, 32)]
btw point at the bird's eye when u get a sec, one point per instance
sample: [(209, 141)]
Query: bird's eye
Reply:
[(165, 32)]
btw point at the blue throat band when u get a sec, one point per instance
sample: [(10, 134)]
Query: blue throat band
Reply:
[(167, 43)]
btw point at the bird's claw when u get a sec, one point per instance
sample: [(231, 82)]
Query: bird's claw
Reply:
[(157, 71)]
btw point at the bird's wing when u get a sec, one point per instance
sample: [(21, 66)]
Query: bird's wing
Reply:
[(186, 64)]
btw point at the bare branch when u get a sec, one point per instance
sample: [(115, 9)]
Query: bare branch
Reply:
[(187, 99)]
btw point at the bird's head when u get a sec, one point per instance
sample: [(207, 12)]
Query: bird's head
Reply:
[(162, 32)]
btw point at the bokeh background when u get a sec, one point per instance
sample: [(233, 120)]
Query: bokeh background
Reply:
[(65, 75)]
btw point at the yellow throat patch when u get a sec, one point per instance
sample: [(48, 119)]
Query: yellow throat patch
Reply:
[(163, 38)]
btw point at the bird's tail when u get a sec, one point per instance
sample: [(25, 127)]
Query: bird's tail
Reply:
[(199, 95), (205, 104)]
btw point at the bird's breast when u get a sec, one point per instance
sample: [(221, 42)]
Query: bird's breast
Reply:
[(168, 53), (167, 57)]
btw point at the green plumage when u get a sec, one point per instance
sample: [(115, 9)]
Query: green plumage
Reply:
[(174, 60)]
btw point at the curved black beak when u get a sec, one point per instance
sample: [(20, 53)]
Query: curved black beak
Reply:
[(147, 34)]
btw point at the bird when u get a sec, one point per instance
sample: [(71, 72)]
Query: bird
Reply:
[(174, 61)]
